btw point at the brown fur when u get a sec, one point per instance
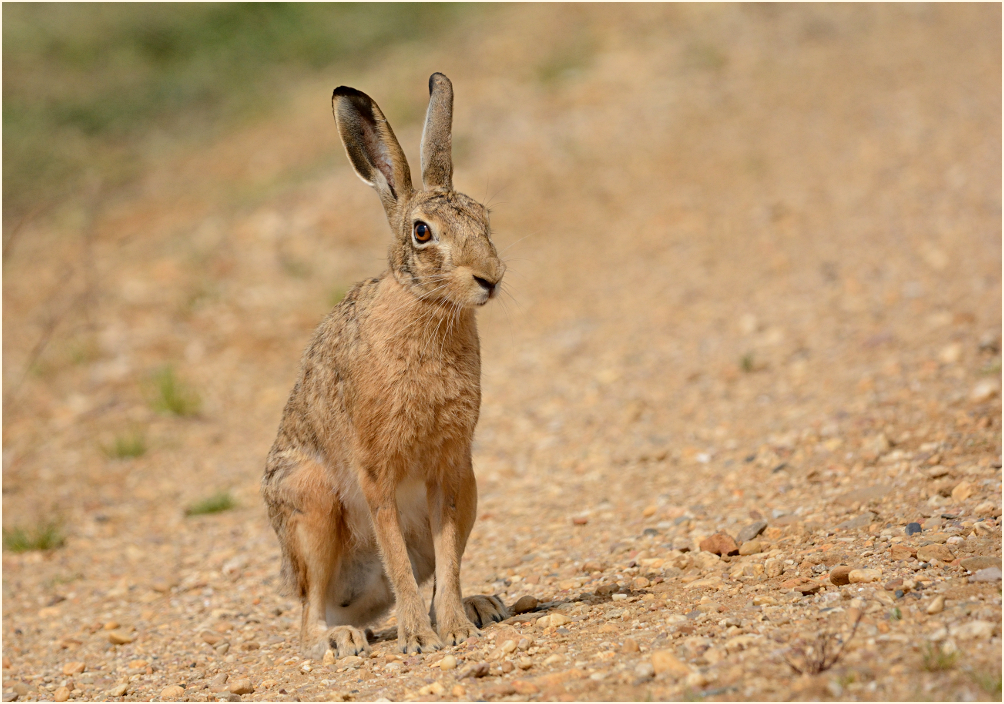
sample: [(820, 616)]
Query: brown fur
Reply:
[(369, 485)]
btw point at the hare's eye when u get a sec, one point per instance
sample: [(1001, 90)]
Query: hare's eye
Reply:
[(423, 233)]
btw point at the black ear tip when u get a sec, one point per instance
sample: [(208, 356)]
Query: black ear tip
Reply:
[(432, 80), (346, 92)]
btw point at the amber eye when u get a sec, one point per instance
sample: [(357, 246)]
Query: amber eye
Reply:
[(423, 233)]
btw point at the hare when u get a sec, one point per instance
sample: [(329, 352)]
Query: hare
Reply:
[(369, 485)]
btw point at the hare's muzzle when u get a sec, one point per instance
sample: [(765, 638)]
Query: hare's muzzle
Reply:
[(489, 286)]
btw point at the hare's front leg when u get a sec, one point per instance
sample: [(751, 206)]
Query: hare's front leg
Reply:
[(414, 630), (453, 505)]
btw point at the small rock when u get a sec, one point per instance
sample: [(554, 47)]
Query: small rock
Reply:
[(435, 688), (773, 567), (645, 670), (553, 620), (974, 630), (118, 690), (840, 575), (111, 625), (665, 661), (974, 563), (902, 552), (329, 657), (447, 663), (525, 688), (61, 694), (640, 583), (250, 645), (649, 511), (989, 574), (962, 491), (751, 547), (242, 686), (937, 471), (861, 576), (524, 663), (524, 604), (73, 668), (211, 637), (862, 521), (751, 531), (120, 637), (475, 670), (932, 523), (630, 646), (580, 520), (6, 662), (934, 551), (719, 544), (936, 606), (987, 509), (913, 528), (172, 692), (984, 391)]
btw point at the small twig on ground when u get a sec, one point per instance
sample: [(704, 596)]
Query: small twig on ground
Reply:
[(820, 656)]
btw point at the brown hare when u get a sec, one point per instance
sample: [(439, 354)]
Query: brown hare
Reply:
[(369, 485)]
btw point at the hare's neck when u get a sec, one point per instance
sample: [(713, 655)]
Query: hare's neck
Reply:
[(426, 320)]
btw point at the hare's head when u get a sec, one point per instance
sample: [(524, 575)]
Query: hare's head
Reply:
[(442, 247)]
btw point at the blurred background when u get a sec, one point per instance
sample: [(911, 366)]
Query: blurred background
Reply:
[(722, 223)]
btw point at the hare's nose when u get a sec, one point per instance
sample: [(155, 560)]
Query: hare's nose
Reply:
[(486, 285)]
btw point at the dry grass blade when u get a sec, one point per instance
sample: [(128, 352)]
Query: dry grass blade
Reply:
[(824, 653)]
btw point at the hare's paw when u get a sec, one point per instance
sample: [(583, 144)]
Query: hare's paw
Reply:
[(482, 610), (422, 640), (346, 640)]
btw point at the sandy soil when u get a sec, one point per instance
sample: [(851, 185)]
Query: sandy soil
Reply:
[(755, 276)]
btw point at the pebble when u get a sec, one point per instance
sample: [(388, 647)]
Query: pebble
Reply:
[(172, 692), (987, 508), (74, 668), (118, 690), (840, 575), (751, 531), (120, 637), (719, 544), (640, 583), (645, 670), (932, 523), (751, 547), (61, 694), (977, 562), (448, 662), (913, 528), (937, 605), (860, 576), (974, 630), (552, 620), (475, 670), (990, 574), (630, 646), (665, 661), (862, 521), (934, 551), (902, 552), (524, 604), (242, 686), (524, 663), (329, 657), (962, 491), (984, 391), (773, 567), (436, 688), (523, 687)]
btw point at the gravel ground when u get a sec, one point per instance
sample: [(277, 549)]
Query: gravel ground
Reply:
[(741, 414)]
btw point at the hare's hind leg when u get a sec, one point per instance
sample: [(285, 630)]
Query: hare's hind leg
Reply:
[(314, 539)]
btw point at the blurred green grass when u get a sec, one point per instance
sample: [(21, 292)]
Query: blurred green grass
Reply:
[(88, 86)]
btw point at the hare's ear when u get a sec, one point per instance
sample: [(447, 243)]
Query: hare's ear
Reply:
[(371, 146), (437, 136)]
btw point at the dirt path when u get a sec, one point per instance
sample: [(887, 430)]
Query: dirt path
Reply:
[(756, 269)]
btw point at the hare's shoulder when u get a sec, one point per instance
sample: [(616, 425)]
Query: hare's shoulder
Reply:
[(339, 332)]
